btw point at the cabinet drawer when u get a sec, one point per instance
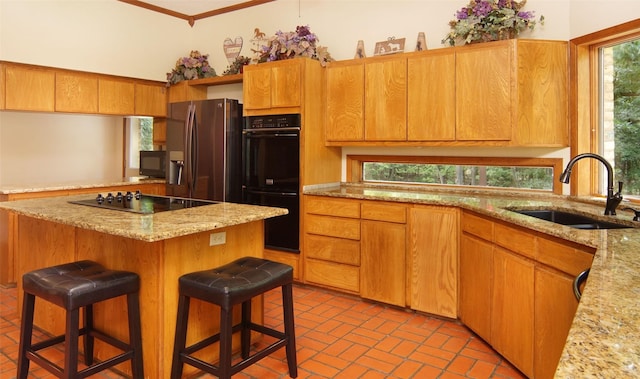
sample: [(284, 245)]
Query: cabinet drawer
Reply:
[(515, 240), (333, 226), (332, 249), (563, 257), (384, 212), (477, 226), (332, 274), (332, 206)]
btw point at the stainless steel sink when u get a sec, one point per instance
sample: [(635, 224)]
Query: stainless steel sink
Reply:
[(573, 220)]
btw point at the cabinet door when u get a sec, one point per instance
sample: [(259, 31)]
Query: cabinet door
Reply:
[(76, 92), (115, 97), (484, 97), (150, 100), (385, 99), (286, 84), (431, 96), (256, 86), (476, 273), (555, 307), (382, 262), (345, 101), (513, 312), (433, 257), (543, 99), (30, 89)]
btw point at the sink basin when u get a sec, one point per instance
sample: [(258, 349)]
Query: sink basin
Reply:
[(573, 220)]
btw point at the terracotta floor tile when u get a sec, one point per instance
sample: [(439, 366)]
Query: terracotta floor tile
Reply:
[(337, 336)]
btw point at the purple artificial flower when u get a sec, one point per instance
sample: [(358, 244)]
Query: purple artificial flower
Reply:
[(462, 14), (528, 15), (482, 8)]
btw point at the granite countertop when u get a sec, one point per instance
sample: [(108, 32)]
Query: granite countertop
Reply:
[(148, 227), (61, 186), (604, 340)]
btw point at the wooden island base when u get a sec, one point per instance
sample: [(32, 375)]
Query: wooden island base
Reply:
[(44, 243)]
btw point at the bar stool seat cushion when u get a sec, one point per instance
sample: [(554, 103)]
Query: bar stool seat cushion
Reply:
[(236, 282), (78, 284)]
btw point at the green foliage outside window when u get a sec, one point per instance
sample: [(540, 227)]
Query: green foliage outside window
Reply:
[(627, 115), (538, 178)]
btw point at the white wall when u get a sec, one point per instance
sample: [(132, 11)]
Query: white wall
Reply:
[(108, 36), (41, 148)]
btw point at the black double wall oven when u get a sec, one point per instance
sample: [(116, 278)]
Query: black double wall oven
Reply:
[(271, 175)]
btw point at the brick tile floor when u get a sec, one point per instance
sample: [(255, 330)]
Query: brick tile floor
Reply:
[(338, 336)]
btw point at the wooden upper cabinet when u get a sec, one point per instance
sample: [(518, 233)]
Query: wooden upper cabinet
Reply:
[(385, 93), (30, 88), (184, 92), (3, 82), (484, 93), (76, 92), (115, 97), (345, 101), (543, 95), (273, 85), (150, 100), (431, 96)]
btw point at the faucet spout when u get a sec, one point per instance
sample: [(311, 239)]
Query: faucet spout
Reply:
[(613, 199)]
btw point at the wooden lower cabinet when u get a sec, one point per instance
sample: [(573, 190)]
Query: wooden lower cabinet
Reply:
[(331, 243), (552, 318), (516, 290), (394, 253), (432, 260), (476, 273), (512, 327), (382, 267)]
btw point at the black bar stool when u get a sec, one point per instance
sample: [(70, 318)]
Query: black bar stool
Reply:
[(73, 286), (235, 283)]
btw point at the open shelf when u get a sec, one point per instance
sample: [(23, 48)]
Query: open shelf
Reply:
[(216, 80)]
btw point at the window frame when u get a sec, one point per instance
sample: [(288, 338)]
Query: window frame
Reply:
[(584, 110), (355, 163)]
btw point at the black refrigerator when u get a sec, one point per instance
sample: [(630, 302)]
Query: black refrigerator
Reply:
[(204, 150)]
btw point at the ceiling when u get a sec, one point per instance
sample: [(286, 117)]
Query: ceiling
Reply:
[(192, 10)]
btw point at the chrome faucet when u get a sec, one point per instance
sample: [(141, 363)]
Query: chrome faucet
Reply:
[(613, 199)]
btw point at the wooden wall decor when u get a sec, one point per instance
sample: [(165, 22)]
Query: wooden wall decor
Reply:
[(390, 46)]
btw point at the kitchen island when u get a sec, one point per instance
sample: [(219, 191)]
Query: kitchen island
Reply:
[(604, 338), (159, 247)]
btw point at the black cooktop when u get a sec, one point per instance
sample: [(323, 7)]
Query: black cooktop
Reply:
[(138, 202)]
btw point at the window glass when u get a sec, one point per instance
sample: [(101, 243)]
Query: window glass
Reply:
[(521, 177), (139, 136), (619, 140)]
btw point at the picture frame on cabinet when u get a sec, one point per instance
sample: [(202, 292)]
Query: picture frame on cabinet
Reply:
[(390, 46)]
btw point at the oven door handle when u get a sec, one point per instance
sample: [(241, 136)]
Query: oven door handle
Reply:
[(270, 130), (272, 193)]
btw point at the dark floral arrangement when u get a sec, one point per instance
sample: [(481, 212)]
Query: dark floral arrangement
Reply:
[(301, 43), (236, 66), (195, 66), (490, 20)]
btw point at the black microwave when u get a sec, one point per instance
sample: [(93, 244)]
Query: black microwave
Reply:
[(153, 163)]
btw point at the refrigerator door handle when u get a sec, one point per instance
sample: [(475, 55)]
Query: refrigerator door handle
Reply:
[(194, 151), (188, 153)]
